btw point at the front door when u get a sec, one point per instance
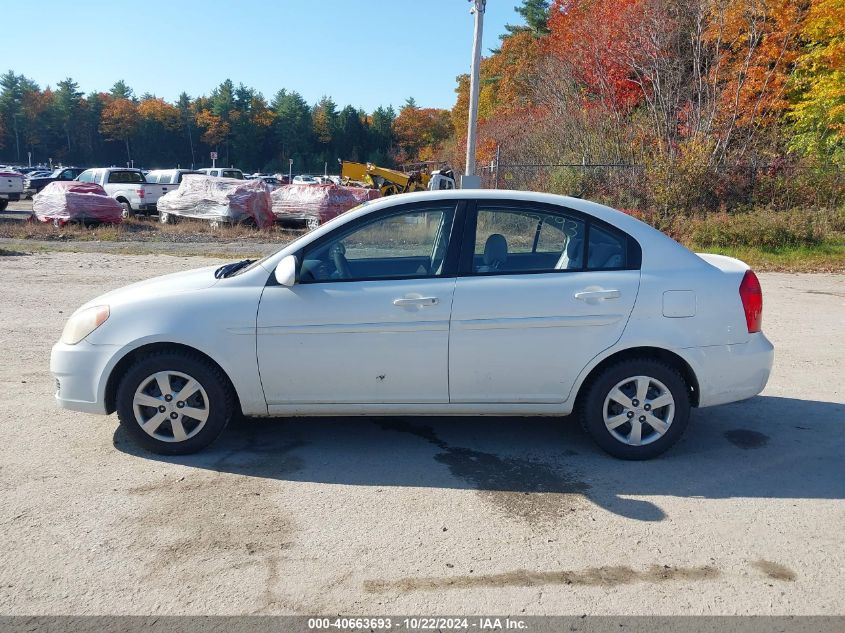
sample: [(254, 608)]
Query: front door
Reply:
[(533, 305), (368, 320)]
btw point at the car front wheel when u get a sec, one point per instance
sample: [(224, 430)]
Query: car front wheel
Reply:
[(174, 403), (636, 409)]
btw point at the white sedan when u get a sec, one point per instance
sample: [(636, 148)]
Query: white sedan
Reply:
[(439, 303)]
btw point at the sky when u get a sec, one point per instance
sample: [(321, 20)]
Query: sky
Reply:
[(360, 52)]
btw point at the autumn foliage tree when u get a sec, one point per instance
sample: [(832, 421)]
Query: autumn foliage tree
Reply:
[(709, 101), (420, 132), (120, 121), (817, 112)]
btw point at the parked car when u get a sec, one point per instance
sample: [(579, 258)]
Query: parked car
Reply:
[(465, 302), (11, 187), (128, 187), (37, 173), (305, 180), (271, 181), (168, 176), (35, 183), (86, 203), (220, 172)]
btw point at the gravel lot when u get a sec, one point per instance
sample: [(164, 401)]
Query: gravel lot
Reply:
[(422, 516)]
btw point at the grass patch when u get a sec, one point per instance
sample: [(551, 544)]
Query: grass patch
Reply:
[(825, 257), (146, 230), (794, 241)]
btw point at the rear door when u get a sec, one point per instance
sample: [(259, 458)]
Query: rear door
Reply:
[(542, 290)]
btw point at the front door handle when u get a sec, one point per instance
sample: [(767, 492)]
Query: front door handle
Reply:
[(591, 295), (416, 301)]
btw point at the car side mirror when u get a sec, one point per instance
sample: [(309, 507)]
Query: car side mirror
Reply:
[(286, 271)]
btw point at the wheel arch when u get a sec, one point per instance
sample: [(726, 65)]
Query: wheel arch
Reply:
[(658, 353), (133, 355)]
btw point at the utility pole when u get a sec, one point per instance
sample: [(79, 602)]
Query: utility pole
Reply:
[(469, 179)]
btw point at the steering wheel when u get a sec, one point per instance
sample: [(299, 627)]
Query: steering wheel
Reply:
[(338, 254)]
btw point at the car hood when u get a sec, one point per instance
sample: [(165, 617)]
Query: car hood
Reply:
[(171, 284)]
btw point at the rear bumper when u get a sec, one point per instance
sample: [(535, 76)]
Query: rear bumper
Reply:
[(149, 208), (10, 196), (728, 373)]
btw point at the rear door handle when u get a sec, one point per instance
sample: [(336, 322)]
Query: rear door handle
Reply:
[(416, 301), (593, 296)]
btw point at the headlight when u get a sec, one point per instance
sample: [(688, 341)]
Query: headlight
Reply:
[(83, 323)]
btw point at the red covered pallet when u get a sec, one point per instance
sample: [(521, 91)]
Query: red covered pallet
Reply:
[(61, 202), (317, 203)]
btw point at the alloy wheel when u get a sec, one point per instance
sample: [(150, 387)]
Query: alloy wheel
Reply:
[(639, 410), (170, 406)]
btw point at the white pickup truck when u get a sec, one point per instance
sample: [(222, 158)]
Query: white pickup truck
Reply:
[(128, 187), (11, 187)]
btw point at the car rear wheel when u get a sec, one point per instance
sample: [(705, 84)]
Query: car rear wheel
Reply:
[(126, 210), (166, 218), (636, 409), (3, 204), (174, 403)]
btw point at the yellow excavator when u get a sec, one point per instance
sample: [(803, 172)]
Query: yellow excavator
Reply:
[(393, 181)]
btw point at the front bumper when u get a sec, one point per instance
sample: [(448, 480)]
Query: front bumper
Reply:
[(81, 371), (729, 373)]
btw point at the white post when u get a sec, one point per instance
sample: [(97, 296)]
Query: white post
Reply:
[(290, 171), (478, 10)]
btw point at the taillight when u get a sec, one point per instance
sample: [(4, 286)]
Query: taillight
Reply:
[(140, 193), (752, 301)]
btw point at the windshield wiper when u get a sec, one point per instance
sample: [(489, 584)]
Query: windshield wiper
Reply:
[(229, 269)]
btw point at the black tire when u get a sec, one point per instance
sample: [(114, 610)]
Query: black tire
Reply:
[(128, 211), (219, 404), (597, 394), (3, 204)]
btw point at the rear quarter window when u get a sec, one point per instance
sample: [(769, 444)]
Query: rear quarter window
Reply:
[(608, 248)]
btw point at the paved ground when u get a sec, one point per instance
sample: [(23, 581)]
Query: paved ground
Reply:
[(420, 516)]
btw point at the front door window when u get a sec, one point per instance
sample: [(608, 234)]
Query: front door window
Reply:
[(403, 245)]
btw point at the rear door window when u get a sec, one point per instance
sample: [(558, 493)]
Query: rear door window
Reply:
[(515, 240)]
